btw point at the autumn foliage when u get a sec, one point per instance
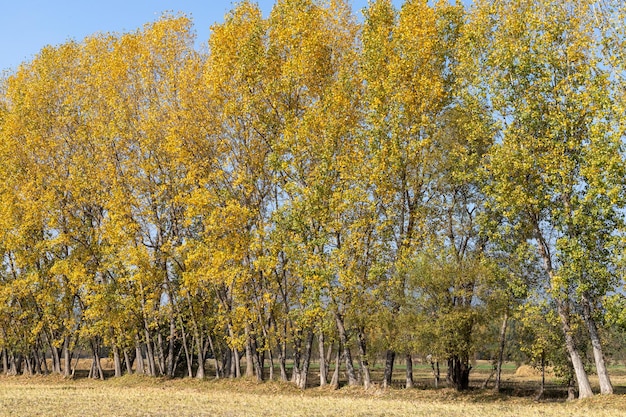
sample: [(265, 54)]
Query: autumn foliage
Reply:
[(316, 183)]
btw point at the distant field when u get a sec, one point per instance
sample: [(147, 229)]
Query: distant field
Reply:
[(143, 396)]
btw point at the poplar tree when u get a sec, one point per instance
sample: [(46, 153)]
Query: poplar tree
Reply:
[(558, 167)]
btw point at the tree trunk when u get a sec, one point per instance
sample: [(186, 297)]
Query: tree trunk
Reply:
[(27, 366), (249, 362), (188, 354), (282, 361), (603, 375), (117, 362), (128, 362), (346, 350), (323, 368), (36, 362), (5, 361), (505, 322), (200, 357), (160, 354), (257, 360), (67, 360), (297, 354), (54, 354), (56, 360), (334, 382), (436, 372), (227, 361), (543, 377), (584, 388), (390, 358), (571, 393), (139, 368), (13, 366), (42, 364), (236, 364), (363, 362), (270, 357), (306, 361), (150, 354), (409, 371), (96, 365), (458, 372)]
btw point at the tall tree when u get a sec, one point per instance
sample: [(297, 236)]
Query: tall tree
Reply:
[(548, 90)]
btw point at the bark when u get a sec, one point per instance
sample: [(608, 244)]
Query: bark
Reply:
[(5, 362), (329, 356), (571, 393), (117, 362), (236, 364), (543, 377), (54, 354), (41, 358), (160, 352), (128, 362), (584, 388), (139, 369), (56, 360), (13, 366), (150, 354), (227, 360), (409, 371), (306, 361), (364, 364), (67, 360), (28, 370), (434, 365), (270, 357), (346, 350), (97, 371), (249, 360), (334, 382), (603, 375), (323, 367), (390, 358), (297, 354), (256, 359), (282, 361), (200, 357), (501, 345), (458, 372), (188, 355)]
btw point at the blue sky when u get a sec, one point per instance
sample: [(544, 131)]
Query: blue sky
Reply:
[(26, 26)]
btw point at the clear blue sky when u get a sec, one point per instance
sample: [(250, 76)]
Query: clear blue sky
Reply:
[(26, 26)]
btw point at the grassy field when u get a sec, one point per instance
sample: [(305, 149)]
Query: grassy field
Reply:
[(139, 396), (143, 396)]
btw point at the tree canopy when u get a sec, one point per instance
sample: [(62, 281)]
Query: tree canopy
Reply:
[(408, 182)]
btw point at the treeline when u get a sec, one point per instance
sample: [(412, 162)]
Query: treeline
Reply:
[(416, 182)]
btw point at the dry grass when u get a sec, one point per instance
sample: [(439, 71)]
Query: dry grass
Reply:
[(142, 396)]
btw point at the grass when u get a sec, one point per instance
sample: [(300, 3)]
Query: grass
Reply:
[(143, 396)]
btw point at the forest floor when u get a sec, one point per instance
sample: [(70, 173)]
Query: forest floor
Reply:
[(144, 396)]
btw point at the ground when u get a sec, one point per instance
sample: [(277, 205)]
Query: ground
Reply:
[(143, 396)]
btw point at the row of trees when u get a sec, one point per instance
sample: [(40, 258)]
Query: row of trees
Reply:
[(406, 184)]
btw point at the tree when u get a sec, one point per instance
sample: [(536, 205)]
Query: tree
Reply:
[(407, 66), (548, 90)]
